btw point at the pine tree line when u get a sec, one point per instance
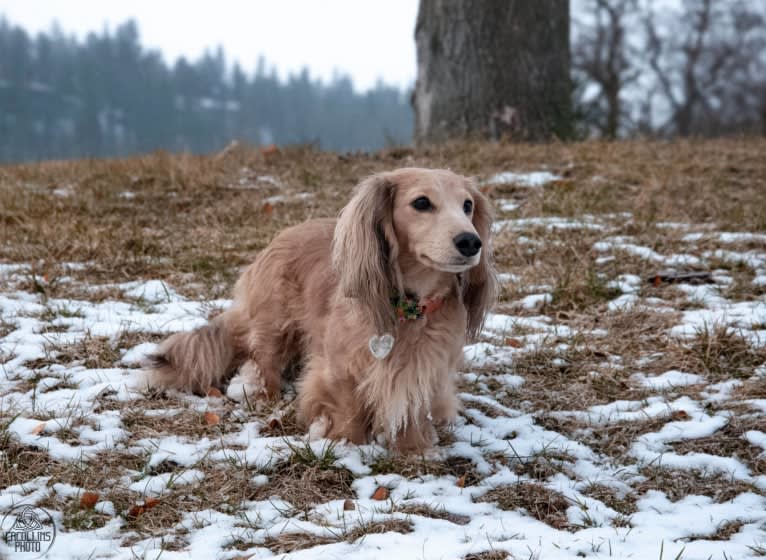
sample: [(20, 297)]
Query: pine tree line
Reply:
[(109, 96)]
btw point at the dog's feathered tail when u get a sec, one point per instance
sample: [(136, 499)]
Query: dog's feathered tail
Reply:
[(194, 361)]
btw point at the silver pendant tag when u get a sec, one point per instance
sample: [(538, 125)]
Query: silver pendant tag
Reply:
[(381, 345)]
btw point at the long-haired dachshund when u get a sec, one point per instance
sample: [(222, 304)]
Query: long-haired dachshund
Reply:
[(376, 306)]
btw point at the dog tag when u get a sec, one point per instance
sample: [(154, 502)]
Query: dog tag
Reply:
[(380, 346)]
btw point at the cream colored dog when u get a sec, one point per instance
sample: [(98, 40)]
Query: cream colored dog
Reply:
[(375, 307)]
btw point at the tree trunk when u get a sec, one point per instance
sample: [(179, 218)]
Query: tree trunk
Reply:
[(492, 69), (614, 110)]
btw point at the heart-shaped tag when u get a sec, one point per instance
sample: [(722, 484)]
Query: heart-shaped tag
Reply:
[(380, 346)]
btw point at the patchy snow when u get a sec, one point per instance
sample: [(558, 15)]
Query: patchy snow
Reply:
[(534, 301), (76, 413), (533, 179), (646, 253), (161, 483), (739, 315), (752, 259), (669, 380), (547, 222), (280, 199), (64, 191), (727, 237), (507, 205), (623, 302)]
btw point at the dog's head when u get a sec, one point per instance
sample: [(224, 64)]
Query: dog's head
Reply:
[(434, 216)]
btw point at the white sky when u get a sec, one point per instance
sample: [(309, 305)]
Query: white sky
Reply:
[(364, 38)]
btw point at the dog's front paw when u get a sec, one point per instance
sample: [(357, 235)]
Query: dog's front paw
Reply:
[(319, 428), (434, 454), (247, 385)]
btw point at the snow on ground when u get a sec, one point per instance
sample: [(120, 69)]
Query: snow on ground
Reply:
[(75, 412), (533, 179)]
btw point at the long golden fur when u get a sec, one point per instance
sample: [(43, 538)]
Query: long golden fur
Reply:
[(317, 294)]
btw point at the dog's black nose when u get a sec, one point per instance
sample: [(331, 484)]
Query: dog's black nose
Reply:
[(467, 243)]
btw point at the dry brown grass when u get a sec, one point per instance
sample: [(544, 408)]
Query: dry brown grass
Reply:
[(730, 442), (724, 532), (6, 326), (624, 504), (615, 440), (433, 512), (575, 378), (285, 543), (90, 351), (721, 353), (538, 501), (195, 220), (20, 463), (488, 555), (678, 484), (307, 478), (415, 467), (541, 466)]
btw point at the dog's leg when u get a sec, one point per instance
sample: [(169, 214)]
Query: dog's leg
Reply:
[(418, 438), (260, 377), (247, 384), (319, 428), (445, 405), (327, 403)]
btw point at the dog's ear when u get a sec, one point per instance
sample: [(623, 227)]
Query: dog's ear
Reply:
[(480, 284), (364, 248)]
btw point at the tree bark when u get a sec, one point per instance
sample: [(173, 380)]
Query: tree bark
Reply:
[(492, 69)]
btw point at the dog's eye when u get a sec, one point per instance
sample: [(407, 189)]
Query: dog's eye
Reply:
[(467, 206), (422, 204)]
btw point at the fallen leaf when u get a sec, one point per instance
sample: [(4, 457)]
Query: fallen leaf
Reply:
[(88, 500), (348, 505), (149, 503), (267, 208), (679, 415), (275, 424), (214, 392), (514, 343), (38, 429), (135, 511), (460, 482), (211, 418), (381, 493)]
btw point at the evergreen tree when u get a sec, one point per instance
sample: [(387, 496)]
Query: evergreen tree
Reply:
[(110, 96)]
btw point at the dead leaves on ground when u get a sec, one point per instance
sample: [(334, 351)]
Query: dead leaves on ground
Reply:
[(88, 500), (138, 509)]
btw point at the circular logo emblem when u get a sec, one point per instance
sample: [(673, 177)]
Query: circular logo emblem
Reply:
[(28, 532)]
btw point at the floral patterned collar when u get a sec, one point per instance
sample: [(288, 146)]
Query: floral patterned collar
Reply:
[(410, 307)]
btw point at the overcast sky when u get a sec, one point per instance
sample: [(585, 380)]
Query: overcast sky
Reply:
[(368, 40)]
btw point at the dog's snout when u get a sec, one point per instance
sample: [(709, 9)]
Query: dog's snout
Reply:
[(467, 243)]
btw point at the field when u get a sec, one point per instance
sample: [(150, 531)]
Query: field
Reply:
[(614, 408)]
